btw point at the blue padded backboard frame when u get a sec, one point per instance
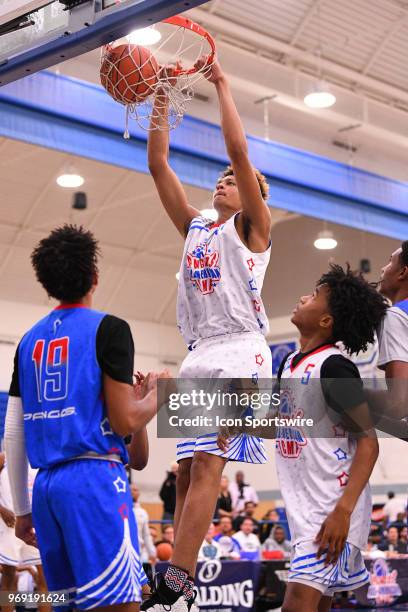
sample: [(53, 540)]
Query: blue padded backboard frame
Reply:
[(107, 27)]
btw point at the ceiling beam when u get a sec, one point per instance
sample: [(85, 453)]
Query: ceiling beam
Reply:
[(313, 9), (268, 43), (330, 115), (397, 26)]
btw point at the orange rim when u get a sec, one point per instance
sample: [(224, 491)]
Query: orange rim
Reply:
[(183, 22)]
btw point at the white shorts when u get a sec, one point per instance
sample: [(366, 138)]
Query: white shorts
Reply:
[(239, 356), (14, 551), (348, 573)]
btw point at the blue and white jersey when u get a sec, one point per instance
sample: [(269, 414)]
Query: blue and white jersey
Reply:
[(220, 283), (393, 335), (60, 383), (313, 471)]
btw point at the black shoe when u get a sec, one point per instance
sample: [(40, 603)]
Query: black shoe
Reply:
[(192, 607), (164, 599)]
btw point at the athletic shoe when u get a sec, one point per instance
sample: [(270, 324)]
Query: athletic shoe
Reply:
[(191, 604), (164, 599)]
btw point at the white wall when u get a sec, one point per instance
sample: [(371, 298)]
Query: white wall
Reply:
[(159, 346)]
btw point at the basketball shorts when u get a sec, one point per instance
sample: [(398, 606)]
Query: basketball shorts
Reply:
[(14, 551), (232, 356), (348, 573), (87, 534)]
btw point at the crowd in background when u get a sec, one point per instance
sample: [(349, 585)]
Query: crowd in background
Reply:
[(237, 531)]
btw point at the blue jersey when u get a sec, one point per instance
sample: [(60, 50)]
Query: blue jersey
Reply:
[(402, 305), (61, 389)]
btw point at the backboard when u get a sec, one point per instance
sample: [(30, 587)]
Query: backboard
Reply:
[(37, 34)]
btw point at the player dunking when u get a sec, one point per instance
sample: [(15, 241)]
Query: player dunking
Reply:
[(71, 401), (221, 317), (324, 476)]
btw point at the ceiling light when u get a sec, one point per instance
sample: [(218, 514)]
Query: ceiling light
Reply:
[(209, 213), (144, 36), (70, 180), (325, 241), (178, 275), (320, 97)]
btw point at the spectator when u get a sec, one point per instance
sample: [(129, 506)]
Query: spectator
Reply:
[(394, 507), (249, 512), (392, 542), (154, 533), (168, 493), (372, 551), (224, 501), (241, 493), (167, 535), (272, 517), (403, 542), (277, 541), (210, 549), (248, 541), (146, 546), (376, 534), (228, 544)]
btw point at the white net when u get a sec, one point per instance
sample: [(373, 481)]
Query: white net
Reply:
[(155, 84)]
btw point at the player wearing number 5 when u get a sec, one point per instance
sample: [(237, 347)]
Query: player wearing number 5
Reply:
[(71, 402)]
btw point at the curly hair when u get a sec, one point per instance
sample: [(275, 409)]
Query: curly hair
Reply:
[(404, 253), (263, 183), (356, 307), (66, 262)]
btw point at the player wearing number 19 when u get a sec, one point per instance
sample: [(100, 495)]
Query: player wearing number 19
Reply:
[(71, 402)]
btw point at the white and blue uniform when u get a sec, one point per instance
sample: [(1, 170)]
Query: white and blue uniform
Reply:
[(13, 551), (393, 335), (313, 472), (82, 507), (222, 318)]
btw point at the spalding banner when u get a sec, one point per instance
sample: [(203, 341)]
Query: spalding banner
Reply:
[(230, 586)]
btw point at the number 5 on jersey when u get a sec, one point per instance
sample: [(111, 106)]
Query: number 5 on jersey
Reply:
[(51, 375)]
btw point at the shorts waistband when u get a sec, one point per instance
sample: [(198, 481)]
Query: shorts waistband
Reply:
[(225, 337)]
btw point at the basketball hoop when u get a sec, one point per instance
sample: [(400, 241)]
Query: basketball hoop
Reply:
[(134, 75)]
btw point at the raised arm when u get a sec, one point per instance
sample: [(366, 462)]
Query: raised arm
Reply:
[(169, 187), (255, 211)]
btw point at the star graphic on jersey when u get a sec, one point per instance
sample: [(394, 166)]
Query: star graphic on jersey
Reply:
[(106, 428), (252, 285), (343, 479), (259, 359), (257, 305), (340, 454), (255, 378), (251, 264), (339, 431), (123, 511), (120, 485)]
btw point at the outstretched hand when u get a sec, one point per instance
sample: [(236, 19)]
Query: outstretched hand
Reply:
[(213, 73), (146, 384)]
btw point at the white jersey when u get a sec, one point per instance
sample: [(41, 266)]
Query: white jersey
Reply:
[(313, 471), (220, 283), (5, 490)]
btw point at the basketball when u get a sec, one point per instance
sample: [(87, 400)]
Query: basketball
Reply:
[(164, 551), (128, 73)]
